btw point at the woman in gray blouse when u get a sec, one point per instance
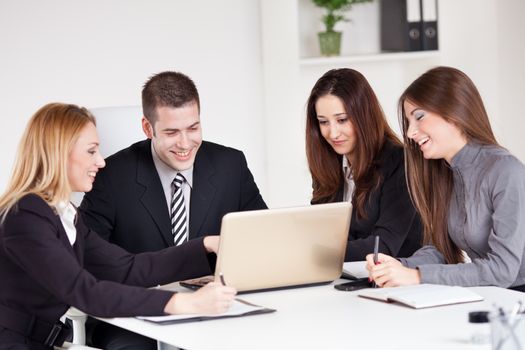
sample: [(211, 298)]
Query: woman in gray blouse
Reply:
[(469, 191)]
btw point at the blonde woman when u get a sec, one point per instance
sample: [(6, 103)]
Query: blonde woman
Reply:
[(469, 191), (49, 260)]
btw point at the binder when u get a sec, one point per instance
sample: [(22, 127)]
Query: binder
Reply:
[(429, 28), (401, 25)]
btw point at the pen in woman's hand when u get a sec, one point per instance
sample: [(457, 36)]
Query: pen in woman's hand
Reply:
[(376, 250), (376, 255), (221, 277)]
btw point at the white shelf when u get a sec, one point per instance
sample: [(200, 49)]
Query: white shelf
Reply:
[(379, 57)]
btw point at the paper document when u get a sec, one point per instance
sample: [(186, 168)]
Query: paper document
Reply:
[(356, 269), (239, 308), (422, 295)]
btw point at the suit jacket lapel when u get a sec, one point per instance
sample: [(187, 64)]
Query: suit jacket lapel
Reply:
[(153, 196), (339, 194), (65, 240), (202, 193)]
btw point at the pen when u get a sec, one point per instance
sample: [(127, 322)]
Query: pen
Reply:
[(516, 309), (376, 258), (376, 250), (221, 276), (507, 321), (522, 308)]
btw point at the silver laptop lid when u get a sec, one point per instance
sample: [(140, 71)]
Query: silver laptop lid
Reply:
[(276, 248)]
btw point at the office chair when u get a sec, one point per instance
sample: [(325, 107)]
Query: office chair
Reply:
[(118, 127), (78, 319)]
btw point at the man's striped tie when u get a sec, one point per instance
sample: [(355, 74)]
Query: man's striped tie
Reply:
[(178, 212)]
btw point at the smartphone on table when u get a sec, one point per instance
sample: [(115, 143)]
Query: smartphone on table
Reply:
[(357, 284), (197, 283)]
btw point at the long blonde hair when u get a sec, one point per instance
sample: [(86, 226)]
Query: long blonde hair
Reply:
[(451, 94), (41, 161)]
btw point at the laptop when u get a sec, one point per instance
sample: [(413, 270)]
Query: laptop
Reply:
[(282, 248)]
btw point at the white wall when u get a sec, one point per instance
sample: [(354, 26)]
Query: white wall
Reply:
[(511, 80), (99, 53), (485, 38), (469, 41)]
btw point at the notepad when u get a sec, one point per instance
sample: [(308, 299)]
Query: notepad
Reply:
[(356, 269), (423, 295), (239, 308)]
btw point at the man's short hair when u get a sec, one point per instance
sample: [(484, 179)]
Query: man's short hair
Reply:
[(167, 89)]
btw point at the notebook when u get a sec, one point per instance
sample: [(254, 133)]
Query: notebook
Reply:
[(287, 247), (422, 295)]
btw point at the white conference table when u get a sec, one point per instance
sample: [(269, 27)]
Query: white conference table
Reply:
[(324, 318)]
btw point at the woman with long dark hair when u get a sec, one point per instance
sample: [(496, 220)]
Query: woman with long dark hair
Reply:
[(469, 191), (354, 155)]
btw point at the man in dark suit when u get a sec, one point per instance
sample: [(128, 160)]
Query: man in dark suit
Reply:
[(137, 204)]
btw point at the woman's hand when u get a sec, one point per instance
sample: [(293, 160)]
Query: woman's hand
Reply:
[(213, 298), (389, 272), (211, 244)]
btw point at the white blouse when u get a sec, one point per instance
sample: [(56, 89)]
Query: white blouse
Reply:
[(67, 213), (349, 184)]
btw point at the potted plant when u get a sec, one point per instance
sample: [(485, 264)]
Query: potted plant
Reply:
[(330, 40)]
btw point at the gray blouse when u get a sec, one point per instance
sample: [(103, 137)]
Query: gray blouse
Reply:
[(486, 219)]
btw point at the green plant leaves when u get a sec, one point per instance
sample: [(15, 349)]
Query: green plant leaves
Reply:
[(334, 11)]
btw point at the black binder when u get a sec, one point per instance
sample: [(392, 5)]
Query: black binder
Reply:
[(429, 28), (401, 25)]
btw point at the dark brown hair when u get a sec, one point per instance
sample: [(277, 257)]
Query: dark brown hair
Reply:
[(167, 89), (451, 94), (371, 128)]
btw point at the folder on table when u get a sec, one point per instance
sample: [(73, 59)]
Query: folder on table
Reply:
[(239, 308), (429, 32), (401, 25)]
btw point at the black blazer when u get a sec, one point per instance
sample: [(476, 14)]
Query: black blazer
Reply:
[(390, 213), (42, 274), (127, 205)]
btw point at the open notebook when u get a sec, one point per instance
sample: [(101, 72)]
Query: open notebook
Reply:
[(238, 308), (422, 295)]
